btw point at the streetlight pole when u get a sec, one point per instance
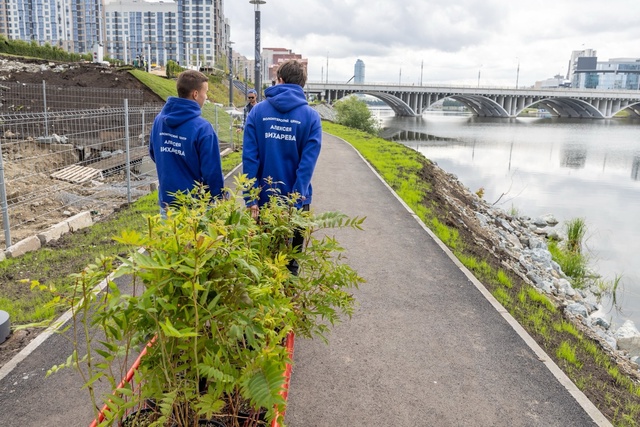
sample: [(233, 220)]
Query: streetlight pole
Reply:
[(230, 60), (246, 81), (327, 80), (517, 73), (479, 69), (258, 59)]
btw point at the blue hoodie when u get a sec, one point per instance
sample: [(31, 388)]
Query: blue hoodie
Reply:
[(282, 139), (185, 149)]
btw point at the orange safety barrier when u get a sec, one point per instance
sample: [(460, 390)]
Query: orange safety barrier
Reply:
[(125, 380), (290, 341)]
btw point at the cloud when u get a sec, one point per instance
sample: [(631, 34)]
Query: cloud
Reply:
[(453, 39), (390, 24)]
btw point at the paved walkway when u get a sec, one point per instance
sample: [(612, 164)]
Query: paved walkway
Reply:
[(425, 347)]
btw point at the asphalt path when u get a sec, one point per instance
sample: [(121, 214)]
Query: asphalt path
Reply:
[(426, 346), (29, 398)]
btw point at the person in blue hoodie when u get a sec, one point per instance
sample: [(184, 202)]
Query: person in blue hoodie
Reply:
[(281, 145), (282, 139), (183, 144)]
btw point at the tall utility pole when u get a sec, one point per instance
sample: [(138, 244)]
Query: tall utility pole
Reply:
[(258, 59)]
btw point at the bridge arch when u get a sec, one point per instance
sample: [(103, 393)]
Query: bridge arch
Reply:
[(567, 107), (633, 109), (398, 106), (481, 106)]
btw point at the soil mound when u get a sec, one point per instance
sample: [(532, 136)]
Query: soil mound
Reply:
[(80, 74)]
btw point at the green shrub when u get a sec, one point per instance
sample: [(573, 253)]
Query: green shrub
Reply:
[(173, 69), (355, 114), (214, 292)]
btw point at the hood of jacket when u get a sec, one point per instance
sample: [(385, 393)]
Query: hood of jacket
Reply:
[(285, 97), (178, 110)]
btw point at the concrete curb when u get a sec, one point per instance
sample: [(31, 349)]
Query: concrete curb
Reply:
[(33, 243)]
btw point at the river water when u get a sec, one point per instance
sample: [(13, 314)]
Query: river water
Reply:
[(569, 168)]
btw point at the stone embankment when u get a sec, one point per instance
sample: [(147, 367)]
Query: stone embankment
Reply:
[(524, 240), (326, 112)]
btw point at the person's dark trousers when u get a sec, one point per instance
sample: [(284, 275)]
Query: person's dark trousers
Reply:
[(296, 244)]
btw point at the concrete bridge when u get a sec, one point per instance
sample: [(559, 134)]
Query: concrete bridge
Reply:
[(413, 100)]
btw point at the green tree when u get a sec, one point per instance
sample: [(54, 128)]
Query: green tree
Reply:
[(354, 113)]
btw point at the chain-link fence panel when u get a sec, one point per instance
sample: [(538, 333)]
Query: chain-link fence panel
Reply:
[(56, 164)]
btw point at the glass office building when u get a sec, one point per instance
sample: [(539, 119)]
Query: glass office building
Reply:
[(615, 74)]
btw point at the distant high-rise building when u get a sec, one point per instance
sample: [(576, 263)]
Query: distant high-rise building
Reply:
[(70, 24), (573, 62), (358, 72), (137, 29), (193, 32), (201, 29)]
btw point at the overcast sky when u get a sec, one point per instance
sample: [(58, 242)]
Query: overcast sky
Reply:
[(454, 39)]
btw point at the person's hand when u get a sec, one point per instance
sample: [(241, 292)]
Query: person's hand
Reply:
[(255, 211)]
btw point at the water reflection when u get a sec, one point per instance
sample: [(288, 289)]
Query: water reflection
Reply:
[(394, 134), (571, 168), (635, 168), (574, 157)]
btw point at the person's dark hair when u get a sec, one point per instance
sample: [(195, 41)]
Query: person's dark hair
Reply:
[(188, 81), (293, 71)]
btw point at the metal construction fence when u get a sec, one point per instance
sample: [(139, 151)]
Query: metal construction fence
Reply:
[(56, 164)]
